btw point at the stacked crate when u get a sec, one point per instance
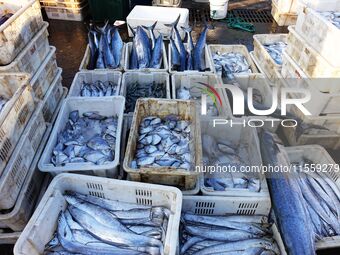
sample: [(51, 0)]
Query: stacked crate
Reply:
[(284, 12), (31, 82), (75, 10)]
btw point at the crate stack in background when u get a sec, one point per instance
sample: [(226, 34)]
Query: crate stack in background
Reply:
[(32, 89), (284, 12), (75, 10)]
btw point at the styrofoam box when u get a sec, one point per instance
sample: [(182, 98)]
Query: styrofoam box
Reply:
[(285, 6), (207, 59), (71, 14), (53, 97), (320, 5), (317, 155), (18, 30), (266, 62), (223, 48), (310, 61), (63, 4), (93, 76), (86, 59), (16, 113), (167, 3), (31, 57), (147, 15), (15, 172), (108, 106), (42, 80), (130, 78), (188, 80), (283, 19), (43, 223), (320, 33), (164, 66)]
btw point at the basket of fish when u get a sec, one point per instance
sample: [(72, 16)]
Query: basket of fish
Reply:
[(144, 85), (106, 49), (44, 76), (268, 51), (164, 144), (14, 174), (230, 60), (191, 86), (215, 225), (16, 107), (99, 83), (320, 185), (20, 21), (283, 18), (99, 218), (321, 30), (74, 14), (231, 161), (31, 57), (85, 137)]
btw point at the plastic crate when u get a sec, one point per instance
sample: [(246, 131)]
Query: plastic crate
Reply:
[(164, 66), (31, 57), (186, 179), (207, 59), (42, 80), (320, 33), (71, 14), (9, 238), (187, 80), (16, 113), (320, 5), (147, 15), (108, 106), (93, 76), (15, 172), (18, 30), (267, 63), (86, 59), (64, 4), (283, 18), (285, 6), (53, 97), (43, 223), (167, 3)]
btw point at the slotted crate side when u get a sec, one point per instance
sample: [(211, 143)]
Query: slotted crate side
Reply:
[(285, 6), (164, 65), (31, 57), (42, 80), (72, 14), (9, 238), (15, 172), (43, 223), (64, 4), (283, 19), (19, 30)]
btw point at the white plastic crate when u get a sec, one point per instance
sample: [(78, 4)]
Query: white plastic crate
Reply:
[(42, 80), (188, 80), (167, 3), (311, 62), (43, 223), (129, 78), (320, 5), (53, 97), (31, 57), (93, 76), (86, 59), (320, 33), (164, 66), (15, 172), (286, 6), (207, 59), (283, 18), (266, 62), (64, 4), (71, 14), (19, 30), (109, 106), (223, 48), (147, 15), (16, 113)]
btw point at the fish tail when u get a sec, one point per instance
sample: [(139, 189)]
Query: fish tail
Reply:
[(174, 24), (150, 28), (132, 31), (187, 29)]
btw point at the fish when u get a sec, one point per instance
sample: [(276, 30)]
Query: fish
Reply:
[(151, 34), (190, 48), (116, 47), (98, 89), (275, 50), (175, 56), (156, 58), (142, 45), (104, 47), (332, 16), (5, 17), (199, 61), (93, 45)]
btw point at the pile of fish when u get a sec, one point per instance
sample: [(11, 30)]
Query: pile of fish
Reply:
[(321, 197), (333, 17), (91, 138), (143, 90), (145, 52), (225, 153), (228, 64), (98, 89), (91, 225), (106, 47), (190, 57), (234, 235), (3, 101), (275, 51), (5, 17), (164, 143)]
